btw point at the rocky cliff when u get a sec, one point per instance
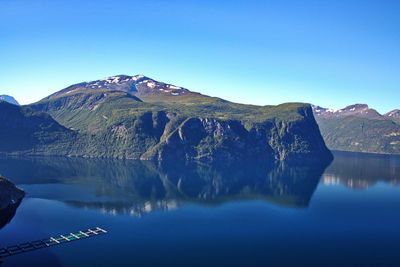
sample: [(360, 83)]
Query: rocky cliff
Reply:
[(210, 138), (10, 195)]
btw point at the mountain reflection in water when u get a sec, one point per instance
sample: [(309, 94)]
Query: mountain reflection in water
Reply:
[(303, 215), (360, 170), (138, 187)]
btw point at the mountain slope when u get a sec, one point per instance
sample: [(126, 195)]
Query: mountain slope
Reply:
[(123, 118), (9, 99), (358, 128), (24, 130)]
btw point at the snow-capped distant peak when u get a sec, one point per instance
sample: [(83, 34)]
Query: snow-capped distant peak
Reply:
[(137, 85), (361, 110), (393, 114), (9, 99)]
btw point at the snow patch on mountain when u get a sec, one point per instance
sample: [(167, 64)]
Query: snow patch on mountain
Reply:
[(361, 110)]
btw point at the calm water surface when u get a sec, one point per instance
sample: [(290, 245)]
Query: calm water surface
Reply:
[(181, 214)]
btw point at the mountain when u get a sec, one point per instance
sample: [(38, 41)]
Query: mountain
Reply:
[(24, 130), (359, 128), (9, 99), (358, 110), (138, 85), (393, 115), (137, 117)]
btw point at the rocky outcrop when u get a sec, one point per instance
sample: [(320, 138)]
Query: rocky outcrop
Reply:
[(10, 195), (10, 198)]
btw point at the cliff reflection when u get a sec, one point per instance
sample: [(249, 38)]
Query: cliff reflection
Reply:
[(138, 187)]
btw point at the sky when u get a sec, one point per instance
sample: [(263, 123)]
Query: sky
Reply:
[(331, 53)]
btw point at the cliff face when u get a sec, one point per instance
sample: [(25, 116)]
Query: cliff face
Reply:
[(213, 139), (10, 195)]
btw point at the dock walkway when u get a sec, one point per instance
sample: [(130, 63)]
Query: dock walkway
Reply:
[(49, 242)]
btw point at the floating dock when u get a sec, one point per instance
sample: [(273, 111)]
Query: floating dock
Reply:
[(49, 242)]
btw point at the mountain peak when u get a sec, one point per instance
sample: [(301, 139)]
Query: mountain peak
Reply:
[(359, 110), (137, 85), (393, 114), (121, 78), (356, 107), (9, 99)]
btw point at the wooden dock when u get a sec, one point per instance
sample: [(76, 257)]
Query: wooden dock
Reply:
[(49, 242)]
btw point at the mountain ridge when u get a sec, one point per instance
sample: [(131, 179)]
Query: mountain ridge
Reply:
[(136, 85), (136, 117), (393, 115), (359, 128)]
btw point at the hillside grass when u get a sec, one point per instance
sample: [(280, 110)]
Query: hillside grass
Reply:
[(96, 110)]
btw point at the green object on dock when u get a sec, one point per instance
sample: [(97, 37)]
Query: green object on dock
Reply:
[(49, 242)]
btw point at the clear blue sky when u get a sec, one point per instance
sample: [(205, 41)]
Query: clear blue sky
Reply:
[(332, 53)]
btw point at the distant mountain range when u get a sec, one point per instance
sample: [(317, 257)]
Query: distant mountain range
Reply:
[(393, 115), (9, 99), (359, 128), (139, 118)]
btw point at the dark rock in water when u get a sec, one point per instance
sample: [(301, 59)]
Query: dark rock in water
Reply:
[(10, 197)]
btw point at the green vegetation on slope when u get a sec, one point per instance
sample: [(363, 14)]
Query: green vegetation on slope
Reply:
[(358, 134)]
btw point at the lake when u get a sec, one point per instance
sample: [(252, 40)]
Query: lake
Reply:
[(197, 214)]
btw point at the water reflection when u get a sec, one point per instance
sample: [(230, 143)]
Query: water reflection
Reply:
[(138, 187), (360, 171)]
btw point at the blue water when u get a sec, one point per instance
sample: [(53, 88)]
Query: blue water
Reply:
[(177, 214)]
